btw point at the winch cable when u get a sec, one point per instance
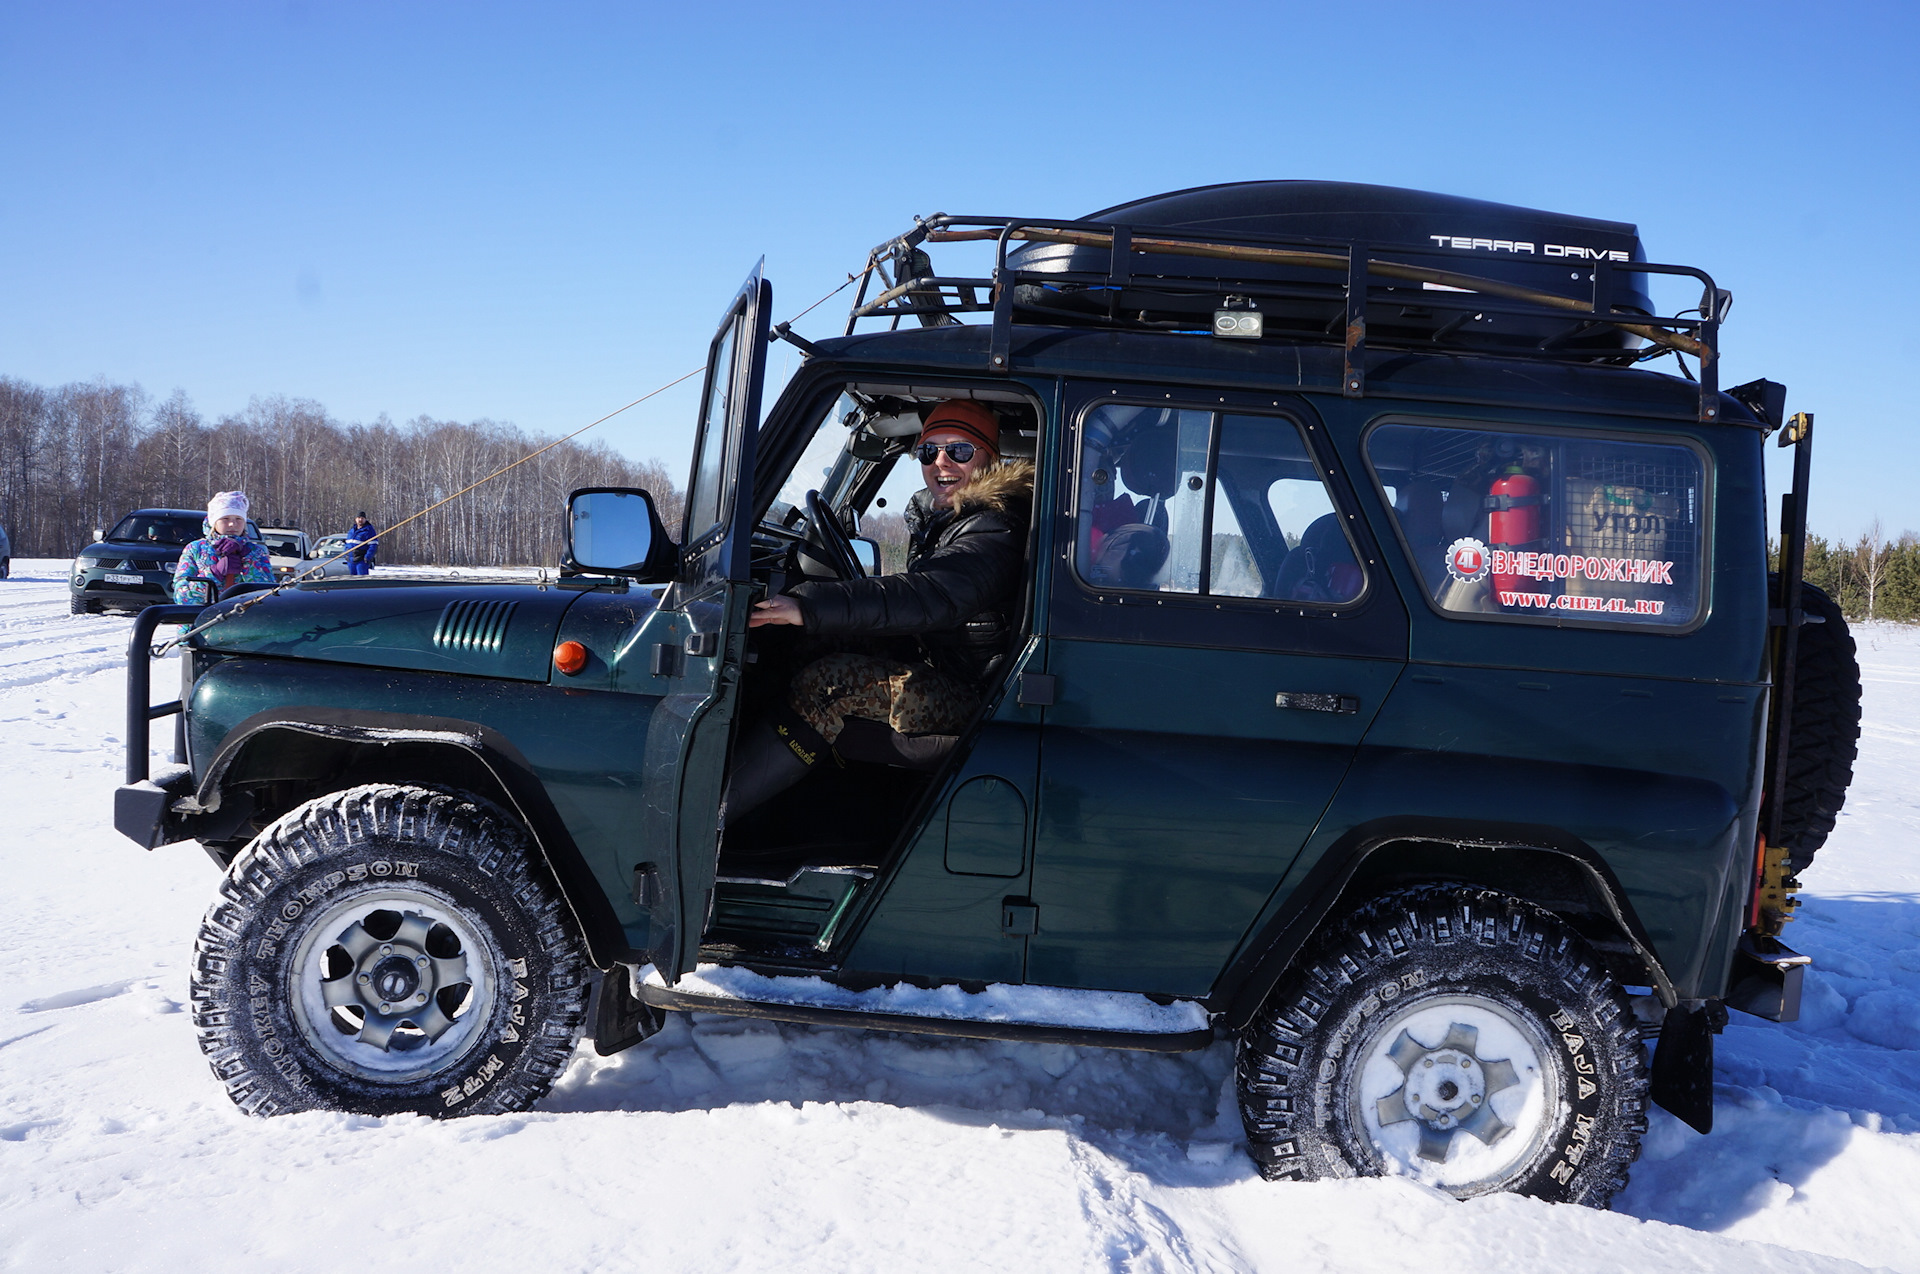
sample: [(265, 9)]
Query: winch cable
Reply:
[(252, 599)]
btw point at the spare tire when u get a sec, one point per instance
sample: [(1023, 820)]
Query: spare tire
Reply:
[(1823, 737)]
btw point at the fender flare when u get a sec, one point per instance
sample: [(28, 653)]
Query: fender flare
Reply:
[(524, 794), (1264, 959)]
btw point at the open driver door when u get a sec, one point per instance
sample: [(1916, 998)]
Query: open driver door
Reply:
[(688, 733)]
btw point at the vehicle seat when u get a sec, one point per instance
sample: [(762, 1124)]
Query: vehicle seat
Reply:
[(1321, 568)]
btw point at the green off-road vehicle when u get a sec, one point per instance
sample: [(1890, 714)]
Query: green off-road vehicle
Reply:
[(1401, 691)]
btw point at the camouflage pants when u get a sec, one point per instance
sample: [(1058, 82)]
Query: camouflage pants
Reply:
[(912, 698)]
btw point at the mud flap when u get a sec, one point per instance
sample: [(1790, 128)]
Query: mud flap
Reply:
[(1683, 1065), (619, 1020)]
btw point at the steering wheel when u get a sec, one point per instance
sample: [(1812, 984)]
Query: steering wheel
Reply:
[(834, 543)]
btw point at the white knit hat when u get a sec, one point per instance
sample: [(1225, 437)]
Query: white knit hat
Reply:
[(227, 504)]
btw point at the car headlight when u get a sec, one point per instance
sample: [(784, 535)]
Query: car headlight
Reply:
[(85, 563)]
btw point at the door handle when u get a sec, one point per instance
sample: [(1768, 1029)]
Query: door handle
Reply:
[(1311, 702)]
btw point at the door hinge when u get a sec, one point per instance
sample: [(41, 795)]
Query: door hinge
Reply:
[(1019, 917), (1037, 690), (646, 885), (667, 660)]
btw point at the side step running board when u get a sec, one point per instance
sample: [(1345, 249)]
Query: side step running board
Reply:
[(664, 997)]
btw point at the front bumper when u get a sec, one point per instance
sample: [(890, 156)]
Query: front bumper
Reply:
[(91, 584), (143, 811)]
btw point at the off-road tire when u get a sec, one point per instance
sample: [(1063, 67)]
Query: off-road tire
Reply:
[(1310, 1062), (78, 605), (1823, 739), (310, 906)]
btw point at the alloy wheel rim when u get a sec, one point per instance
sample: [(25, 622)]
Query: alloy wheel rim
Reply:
[(391, 986), (1455, 1090)]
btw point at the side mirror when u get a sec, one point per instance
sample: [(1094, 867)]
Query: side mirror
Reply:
[(868, 554), (99, 534), (617, 531)]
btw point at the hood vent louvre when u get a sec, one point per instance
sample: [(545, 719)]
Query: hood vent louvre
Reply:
[(474, 627)]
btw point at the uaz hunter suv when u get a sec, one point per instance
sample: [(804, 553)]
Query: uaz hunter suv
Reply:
[(1401, 691)]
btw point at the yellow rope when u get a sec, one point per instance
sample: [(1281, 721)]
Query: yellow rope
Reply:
[(162, 649)]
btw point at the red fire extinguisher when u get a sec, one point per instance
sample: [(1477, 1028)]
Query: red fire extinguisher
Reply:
[(1513, 519)]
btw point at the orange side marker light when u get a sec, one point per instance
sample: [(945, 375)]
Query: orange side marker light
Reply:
[(570, 657)]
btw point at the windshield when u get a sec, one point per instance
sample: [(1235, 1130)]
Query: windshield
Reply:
[(168, 530), (817, 461), (282, 545)]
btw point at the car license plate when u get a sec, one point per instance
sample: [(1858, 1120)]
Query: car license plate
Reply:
[(116, 578)]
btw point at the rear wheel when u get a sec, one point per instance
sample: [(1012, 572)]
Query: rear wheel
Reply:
[(1456, 1035), (385, 950)]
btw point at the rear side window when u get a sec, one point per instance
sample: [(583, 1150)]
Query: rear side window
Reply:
[(1218, 504), (1544, 524)]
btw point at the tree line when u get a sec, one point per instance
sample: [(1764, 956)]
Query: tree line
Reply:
[(1873, 577), (79, 456)]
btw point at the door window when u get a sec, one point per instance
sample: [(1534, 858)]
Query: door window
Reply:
[(1544, 524), (710, 468), (1175, 500)]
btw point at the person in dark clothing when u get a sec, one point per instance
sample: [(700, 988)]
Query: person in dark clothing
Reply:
[(957, 601), (362, 544)]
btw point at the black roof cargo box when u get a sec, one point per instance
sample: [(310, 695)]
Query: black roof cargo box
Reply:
[(1545, 251)]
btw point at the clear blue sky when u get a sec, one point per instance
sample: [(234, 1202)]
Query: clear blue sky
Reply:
[(534, 213)]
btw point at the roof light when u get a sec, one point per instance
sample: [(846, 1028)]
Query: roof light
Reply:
[(1243, 325), (570, 657)]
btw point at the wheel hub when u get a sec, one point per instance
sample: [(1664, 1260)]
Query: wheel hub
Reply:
[(394, 981), (1447, 1087)]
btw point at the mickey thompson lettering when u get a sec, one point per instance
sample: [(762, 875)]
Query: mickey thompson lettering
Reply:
[(293, 908)]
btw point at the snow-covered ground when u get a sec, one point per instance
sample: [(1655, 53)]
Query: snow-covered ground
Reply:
[(729, 1144)]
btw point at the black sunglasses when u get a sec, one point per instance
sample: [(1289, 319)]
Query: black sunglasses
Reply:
[(928, 452)]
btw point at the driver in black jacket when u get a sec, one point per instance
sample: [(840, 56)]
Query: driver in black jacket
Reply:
[(958, 599)]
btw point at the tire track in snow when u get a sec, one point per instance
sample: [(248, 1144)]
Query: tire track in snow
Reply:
[(41, 641), (54, 667), (1136, 1236)]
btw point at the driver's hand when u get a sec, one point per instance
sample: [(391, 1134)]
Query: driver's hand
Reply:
[(775, 610)]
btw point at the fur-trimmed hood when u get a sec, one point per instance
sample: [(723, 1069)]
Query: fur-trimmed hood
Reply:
[(996, 487), (1002, 487)]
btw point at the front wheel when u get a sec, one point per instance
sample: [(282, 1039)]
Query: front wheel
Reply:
[(1459, 1036), (386, 950)]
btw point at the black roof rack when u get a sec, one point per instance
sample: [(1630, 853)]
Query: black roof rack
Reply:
[(1512, 296)]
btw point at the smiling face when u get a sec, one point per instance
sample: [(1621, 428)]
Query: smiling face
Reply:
[(232, 524), (945, 475)]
